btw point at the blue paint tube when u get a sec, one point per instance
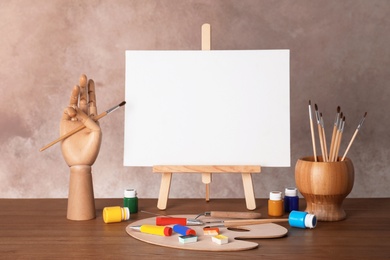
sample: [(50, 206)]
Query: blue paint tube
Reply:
[(301, 219), (183, 230)]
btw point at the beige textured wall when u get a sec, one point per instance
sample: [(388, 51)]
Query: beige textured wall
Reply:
[(339, 56)]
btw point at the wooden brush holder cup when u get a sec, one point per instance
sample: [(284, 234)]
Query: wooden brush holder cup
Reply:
[(324, 185)]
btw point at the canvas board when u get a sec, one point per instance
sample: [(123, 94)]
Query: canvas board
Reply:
[(207, 108)]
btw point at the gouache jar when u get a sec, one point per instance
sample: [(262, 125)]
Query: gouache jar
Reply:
[(301, 219), (115, 214), (291, 199), (130, 200), (275, 204)]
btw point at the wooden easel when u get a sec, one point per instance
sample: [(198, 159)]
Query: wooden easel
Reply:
[(206, 171)]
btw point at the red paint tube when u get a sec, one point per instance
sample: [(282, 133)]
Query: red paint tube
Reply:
[(163, 221)]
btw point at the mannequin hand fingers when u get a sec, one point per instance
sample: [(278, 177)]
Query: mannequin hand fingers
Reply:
[(87, 121), (74, 96), (83, 94), (92, 98), (69, 113)]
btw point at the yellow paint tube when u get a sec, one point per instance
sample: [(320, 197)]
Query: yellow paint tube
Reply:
[(154, 230)]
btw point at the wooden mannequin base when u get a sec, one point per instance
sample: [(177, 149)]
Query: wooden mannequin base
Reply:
[(81, 201)]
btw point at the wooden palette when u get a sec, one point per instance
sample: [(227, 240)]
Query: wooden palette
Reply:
[(205, 243)]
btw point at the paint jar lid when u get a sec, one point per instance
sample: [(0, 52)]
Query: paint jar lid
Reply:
[(291, 192), (310, 221), (125, 213), (130, 193), (275, 195)]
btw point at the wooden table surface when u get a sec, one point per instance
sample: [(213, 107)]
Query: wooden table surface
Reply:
[(38, 228)]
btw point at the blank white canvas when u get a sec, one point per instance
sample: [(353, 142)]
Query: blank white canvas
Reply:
[(207, 108)]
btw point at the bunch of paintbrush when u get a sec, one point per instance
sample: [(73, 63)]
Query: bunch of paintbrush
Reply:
[(331, 155)]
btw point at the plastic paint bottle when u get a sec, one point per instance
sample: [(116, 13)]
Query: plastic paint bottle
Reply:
[(275, 204), (301, 219), (115, 214), (291, 199), (130, 200)]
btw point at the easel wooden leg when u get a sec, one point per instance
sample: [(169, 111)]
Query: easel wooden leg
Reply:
[(206, 46), (248, 190), (206, 171), (164, 190), (206, 179)]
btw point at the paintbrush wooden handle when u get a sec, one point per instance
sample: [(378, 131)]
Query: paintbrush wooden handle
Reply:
[(349, 145), (62, 137), (233, 214), (81, 127), (245, 222), (321, 141)]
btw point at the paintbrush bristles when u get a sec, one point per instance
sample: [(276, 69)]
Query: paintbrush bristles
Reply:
[(362, 121), (116, 107), (316, 113), (336, 155), (320, 132)]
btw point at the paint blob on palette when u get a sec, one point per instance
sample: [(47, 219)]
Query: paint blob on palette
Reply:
[(188, 239), (220, 239), (210, 231)]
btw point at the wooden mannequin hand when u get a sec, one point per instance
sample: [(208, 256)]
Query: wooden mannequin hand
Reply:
[(83, 147)]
